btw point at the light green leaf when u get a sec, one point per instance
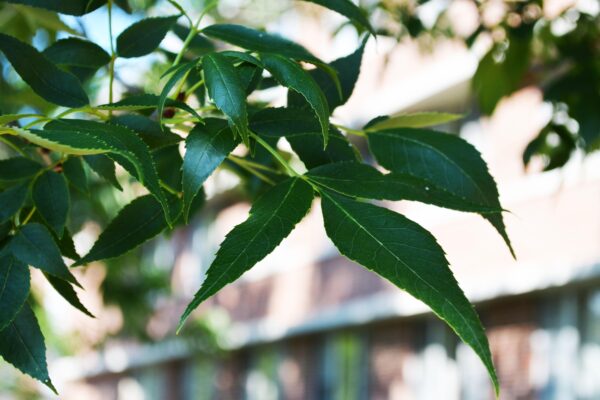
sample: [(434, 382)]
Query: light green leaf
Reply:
[(22, 345), (361, 180), (137, 222), (33, 244), (349, 10), (50, 195), (45, 78), (408, 256), (227, 92), (14, 288), (206, 148), (272, 217), (288, 73), (65, 289), (303, 131), (18, 168), (11, 201), (445, 161), (413, 120), (143, 37)]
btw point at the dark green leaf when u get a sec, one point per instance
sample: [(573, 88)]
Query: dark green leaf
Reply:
[(125, 147), (18, 168), (137, 222), (408, 256), (33, 244), (71, 7), (11, 201), (303, 131), (347, 9), (414, 120), (144, 36), (65, 289), (272, 217), (149, 130), (66, 245), (104, 167), (445, 161), (22, 345), (288, 73), (14, 287), (360, 180), (146, 102), (168, 163), (45, 78), (206, 148), (75, 52), (252, 39), (348, 70), (50, 195), (75, 173), (227, 92), (199, 44), (177, 74)]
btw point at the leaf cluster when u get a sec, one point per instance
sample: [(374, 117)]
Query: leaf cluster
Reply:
[(61, 152)]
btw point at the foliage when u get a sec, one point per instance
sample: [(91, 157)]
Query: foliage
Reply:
[(57, 153)]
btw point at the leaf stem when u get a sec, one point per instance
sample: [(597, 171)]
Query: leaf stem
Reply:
[(193, 32), (274, 153), (356, 132), (249, 168), (28, 217), (111, 65), (169, 188)]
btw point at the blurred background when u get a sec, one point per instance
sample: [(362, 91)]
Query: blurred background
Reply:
[(306, 323)]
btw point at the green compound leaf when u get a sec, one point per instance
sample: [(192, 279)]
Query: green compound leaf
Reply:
[(18, 168), (104, 167), (65, 289), (206, 148), (137, 222), (407, 255), (348, 70), (143, 37), (33, 244), (22, 345), (446, 161), (14, 287), (303, 131), (121, 144), (71, 7), (349, 10), (361, 180), (272, 217), (413, 120), (227, 92), (45, 78), (50, 195), (288, 73), (11, 201)]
